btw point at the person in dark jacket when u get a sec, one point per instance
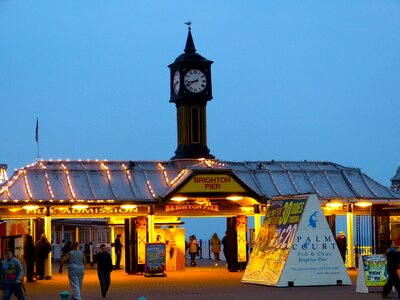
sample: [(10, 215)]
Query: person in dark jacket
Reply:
[(393, 259), (67, 247), (29, 258), (104, 268), (225, 247), (43, 248), (118, 251), (342, 245)]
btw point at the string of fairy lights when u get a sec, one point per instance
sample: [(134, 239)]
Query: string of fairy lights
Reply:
[(69, 166), (65, 166)]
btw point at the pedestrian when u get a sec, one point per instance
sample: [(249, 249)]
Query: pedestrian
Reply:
[(67, 247), (43, 248), (62, 244), (29, 258), (225, 247), (393, 259), (193, 248), (342, 245), (215, 247), (118, 251), (104, 268), (76, 264), (12, 275)]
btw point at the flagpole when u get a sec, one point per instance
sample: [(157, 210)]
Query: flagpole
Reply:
[(37, 146), (37, 137)]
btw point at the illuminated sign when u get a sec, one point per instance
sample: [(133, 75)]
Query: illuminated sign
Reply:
[(375, 269), (191, 207), (212, 183), (64, 212)]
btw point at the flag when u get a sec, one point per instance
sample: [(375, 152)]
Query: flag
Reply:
[(37, 130)]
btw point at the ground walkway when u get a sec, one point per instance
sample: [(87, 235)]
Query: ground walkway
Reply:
[(202, 282)]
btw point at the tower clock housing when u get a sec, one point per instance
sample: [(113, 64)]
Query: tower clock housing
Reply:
[(190, 80)]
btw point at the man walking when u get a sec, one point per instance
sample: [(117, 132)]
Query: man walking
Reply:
[(393, 259), (104, 268), (12, 277)]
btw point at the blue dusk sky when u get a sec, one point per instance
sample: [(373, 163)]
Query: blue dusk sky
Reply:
[(292, 80)]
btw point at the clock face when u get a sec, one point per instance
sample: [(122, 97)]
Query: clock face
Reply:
[(195, 81), (176, 81)]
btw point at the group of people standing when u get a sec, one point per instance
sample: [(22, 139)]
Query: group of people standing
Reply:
[(215, 244), (38, 253)]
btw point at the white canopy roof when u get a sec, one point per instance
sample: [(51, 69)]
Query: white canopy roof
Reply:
[(147, 182)]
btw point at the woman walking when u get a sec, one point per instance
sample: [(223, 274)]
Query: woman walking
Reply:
[(215, 248), (76, 264)]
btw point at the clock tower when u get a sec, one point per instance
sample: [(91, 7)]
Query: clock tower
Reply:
[(190, 91)]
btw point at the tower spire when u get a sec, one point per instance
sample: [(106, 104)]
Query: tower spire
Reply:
[(190, 48)]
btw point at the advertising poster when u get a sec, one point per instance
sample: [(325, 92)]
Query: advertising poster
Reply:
[(375, 269), (314, 258), (155, 258), (241, 229), (296, 247), (174, 239), (141, 231), (274, 241)]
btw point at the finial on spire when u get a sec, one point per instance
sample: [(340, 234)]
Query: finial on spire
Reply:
[(189, 48)]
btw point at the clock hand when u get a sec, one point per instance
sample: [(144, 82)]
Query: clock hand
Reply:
[(193, 81)]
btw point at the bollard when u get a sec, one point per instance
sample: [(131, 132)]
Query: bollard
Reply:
[(64, 295)]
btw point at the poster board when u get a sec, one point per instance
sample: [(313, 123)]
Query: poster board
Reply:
[(371, 272), (241, 229), (141, 233), (155, 259), (174, 239), (295, 247)]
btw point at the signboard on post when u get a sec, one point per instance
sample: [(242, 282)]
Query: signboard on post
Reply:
[(295, 247), (155, 259), (372, 272)]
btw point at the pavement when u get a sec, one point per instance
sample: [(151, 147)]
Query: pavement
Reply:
[(201, 282)]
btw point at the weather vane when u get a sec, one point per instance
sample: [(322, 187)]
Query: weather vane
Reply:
[(189, 24)]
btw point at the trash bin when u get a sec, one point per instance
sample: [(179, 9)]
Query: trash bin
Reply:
[(64, 295)]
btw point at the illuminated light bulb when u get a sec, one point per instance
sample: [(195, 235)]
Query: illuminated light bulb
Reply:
[(30, 207), (234, 198), (128, 206), (80, 206), (363, 204), (179, 199), (333, 204), (247, 209), (15, 209), (179, 176)]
